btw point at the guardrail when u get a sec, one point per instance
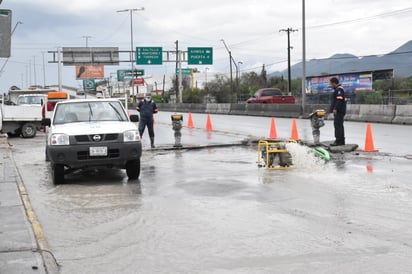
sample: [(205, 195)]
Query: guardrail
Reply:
[(392, 114)]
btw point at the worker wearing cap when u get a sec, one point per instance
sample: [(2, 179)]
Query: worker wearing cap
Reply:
[(147, 107), (338, 108)]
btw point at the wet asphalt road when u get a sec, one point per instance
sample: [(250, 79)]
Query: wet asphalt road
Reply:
[(214, 211)]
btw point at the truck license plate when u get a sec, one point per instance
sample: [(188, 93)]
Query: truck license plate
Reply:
[(98, 151)]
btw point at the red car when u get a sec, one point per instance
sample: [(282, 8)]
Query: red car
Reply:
[(270, 96)]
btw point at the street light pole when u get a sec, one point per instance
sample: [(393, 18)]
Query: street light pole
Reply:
[(131, 44), (131, 32), (206, 69)]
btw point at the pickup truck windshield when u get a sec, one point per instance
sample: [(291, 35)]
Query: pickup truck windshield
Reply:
[(89, 111)]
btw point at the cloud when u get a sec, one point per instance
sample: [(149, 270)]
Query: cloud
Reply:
[(251, 29)]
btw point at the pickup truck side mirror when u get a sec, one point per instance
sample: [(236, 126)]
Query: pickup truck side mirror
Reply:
[(46, 122), (134, 118)]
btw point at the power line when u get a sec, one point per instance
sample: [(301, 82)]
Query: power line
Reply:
[(385, 14)]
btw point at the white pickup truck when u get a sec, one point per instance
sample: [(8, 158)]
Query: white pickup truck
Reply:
[(90, 134), (24, 117)]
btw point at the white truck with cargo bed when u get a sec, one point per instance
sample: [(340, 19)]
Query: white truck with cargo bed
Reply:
[(23, 118)]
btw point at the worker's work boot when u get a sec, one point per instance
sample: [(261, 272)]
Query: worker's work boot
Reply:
[(152, 142)]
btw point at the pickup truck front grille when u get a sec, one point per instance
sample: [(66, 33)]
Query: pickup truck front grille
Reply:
[(89, 138), (111, 153)]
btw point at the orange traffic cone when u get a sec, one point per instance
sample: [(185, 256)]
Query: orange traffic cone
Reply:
[(369, 146), (273, 134), (190, 121), (294, 135), (208, 124)]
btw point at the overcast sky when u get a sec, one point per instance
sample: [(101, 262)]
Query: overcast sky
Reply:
[(251, 30)]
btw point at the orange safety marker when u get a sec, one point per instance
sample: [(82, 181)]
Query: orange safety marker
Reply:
[(369, 146), (208, 124), (190, 121), (273, 134), (294, 135)]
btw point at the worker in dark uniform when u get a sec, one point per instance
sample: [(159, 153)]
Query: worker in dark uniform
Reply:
[(338, 108), (147, 107)]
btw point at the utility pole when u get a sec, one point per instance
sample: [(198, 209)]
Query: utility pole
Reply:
[(34, 70), (230, 62), (44, 72), (87, 37), (289, 30), (179, 77)]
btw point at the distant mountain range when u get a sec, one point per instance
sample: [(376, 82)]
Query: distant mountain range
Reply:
[(400, 60)]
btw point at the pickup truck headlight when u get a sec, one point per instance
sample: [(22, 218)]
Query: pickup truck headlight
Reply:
[(59, 139), (131, 136)]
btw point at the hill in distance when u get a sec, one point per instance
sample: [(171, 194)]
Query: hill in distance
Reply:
[(400, 60)]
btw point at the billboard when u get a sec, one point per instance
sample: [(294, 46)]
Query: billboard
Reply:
[(90, 55), (89, 72), (351, 82)]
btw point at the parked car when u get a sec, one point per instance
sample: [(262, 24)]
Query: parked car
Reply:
[(270, 96), (90, 134)]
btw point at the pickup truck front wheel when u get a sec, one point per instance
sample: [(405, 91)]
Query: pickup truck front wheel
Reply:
[(28, 130), (58, 174), (133, 169)]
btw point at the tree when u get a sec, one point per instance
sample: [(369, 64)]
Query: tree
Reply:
[(194, 96), (220, 89)]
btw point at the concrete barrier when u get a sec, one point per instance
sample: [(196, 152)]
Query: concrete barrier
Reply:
[(403, 115), (274, 110), (218, 108), (352, 112), (197, 108), (238, 109), (398, 114), (376, 113)]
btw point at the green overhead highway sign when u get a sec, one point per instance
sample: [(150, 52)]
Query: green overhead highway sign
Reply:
[(200, 56), (149, 55), (89, 85), (185, 71), (127, 73)]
